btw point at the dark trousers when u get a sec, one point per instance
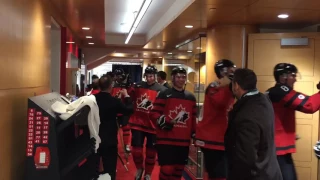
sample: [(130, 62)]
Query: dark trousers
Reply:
[(138, 138), (215, 163), (287, 167), (109, 156)]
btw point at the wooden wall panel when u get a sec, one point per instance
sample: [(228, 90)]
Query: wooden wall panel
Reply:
[(226, 42), (264, 53), (24, 72)]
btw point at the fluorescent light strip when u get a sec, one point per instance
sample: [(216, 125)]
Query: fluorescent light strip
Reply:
[(136, 22)]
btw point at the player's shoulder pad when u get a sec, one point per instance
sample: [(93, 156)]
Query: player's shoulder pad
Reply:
[(278, 92), (162, 94), (161, 87), (139, 84), (189, 95), (212, 85)]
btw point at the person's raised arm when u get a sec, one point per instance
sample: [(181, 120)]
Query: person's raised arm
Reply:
[(295, 100), (125, 108)]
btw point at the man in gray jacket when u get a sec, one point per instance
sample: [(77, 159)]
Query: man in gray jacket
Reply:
[(249, 139)]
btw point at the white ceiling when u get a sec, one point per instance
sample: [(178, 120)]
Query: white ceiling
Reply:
[(119, 17), (122, 11)]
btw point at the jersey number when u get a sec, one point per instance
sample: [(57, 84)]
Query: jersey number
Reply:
[(285, 88)]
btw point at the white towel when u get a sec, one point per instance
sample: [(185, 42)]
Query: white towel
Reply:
[(68, 110), (104, 177)]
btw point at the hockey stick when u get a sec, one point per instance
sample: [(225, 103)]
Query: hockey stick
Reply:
[(124, 165), (126, 155)]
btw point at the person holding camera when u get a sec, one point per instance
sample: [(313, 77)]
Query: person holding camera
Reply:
[(109, 108)]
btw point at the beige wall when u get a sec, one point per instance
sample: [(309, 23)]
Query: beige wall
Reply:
[(24, 72), (264, 53)]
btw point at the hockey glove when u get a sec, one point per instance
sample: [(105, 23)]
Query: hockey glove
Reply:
[(163, 124)]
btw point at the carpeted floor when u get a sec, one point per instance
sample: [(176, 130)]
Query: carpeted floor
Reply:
[(122, 174)]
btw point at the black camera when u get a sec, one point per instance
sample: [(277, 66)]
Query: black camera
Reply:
[(126, 82)]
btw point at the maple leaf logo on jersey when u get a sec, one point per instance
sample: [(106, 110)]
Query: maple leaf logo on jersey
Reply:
[(179, 115), (144, 103)]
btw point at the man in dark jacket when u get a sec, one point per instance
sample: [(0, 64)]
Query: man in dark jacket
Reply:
[(109, 107), (249, 139), (161, 79)]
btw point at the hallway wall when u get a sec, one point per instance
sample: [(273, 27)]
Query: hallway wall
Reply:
[(24, 72)]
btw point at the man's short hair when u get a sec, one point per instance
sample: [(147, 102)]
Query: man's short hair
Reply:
[(95, 84), (105, 82), (162, 75), (94, 77), (245, 78)]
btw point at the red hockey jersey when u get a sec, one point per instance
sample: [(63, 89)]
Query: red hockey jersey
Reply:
[(94, 91), (178, 107), (211, 129), (144, 97), (285, 102)]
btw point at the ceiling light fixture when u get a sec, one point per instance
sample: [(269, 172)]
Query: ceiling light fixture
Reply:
[(189, 51), (90, 43), (199, 48), (85, 28), (160, 57), (283, 16), (88, 37), (141, 12), (70, 42), (169, 52), (189, 26)]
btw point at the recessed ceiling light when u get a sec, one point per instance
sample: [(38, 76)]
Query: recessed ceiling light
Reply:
[(70, 42), (283, 16), (88, 37), (169, 52), (90, 43), (189, 51), (189, 26), (85, 28)]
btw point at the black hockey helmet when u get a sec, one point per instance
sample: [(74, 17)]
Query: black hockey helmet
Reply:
[(150, 70), (177, 70), (222, 66), (284, 69), (119, 71)]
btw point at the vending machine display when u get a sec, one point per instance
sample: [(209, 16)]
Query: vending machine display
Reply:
[(55, 150)]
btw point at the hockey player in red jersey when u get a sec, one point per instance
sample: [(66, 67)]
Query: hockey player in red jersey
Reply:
[(211, 128), (142, 128), (174, 112), (285, 102), (122, 82)]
